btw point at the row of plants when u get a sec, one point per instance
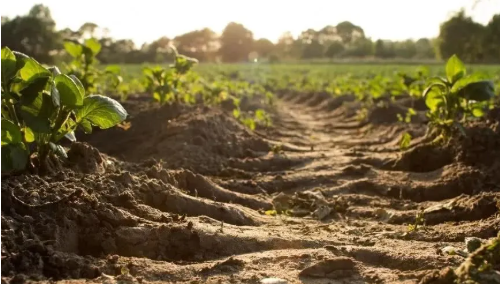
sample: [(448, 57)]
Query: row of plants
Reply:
[(42, 105)]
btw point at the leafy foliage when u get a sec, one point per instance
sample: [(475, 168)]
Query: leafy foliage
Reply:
[(455, 99), (167, 84), (40, 106), (84, 67)]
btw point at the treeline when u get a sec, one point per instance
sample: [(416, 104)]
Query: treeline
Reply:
[(36, 35)]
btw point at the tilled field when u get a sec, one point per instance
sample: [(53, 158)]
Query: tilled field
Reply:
[(189, 195)]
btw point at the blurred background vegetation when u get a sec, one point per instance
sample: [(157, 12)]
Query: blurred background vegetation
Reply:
[(35, 34)]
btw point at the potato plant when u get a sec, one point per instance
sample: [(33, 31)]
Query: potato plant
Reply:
[(457, 98), (84, 67), (41, 106), (166, 84)]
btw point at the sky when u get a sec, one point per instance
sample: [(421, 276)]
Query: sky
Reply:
[(147, 20)]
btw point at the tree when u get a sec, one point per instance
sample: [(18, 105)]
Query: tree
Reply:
[(405, 49), (200, 44), (349, 32), (424, 49), (33, 34), (335, 49), (236, 43), (361, 47), (462, 36), (491, 40), (263, 47), (310, 44)]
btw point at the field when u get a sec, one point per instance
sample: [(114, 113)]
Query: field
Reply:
[(300, 172)]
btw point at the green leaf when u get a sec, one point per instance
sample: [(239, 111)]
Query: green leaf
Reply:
[(411, 111), (56, 97), (405, 141), (455, 69), (30, 91), (33, 70), (478, 91), (29, 136), (78, 84), (69, 91), (55, 71), (93, 45), (434, 99), (478, 112), (464, 81), (9, 66), (101, 111), (115, 69), (37, 114), (14, 157), (436, 85), (86, 126), (11, 133), (73, 48)]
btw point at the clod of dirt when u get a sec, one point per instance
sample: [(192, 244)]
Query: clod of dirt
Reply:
[(201, 140), (86, 159), (387, 114), (423, 158), (339, 267)]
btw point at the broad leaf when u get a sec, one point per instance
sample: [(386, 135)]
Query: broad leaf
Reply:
[(477, 77), (455, 69), (70, 93), (9, 67), (86, 126), (93, 45), (56, 97), (11, 133), (33, 70), (478, 91), (37, 114), (434, 99), (73, 48), (29, 136), (101, 111), (78, 84), (14, 157)]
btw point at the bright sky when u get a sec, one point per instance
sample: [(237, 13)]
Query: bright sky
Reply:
[(147, 20)]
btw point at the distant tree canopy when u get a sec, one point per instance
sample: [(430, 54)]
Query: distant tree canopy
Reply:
[(35, 34), (471, 41)]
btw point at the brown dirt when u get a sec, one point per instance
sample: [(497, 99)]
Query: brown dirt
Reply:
[(188, 195)]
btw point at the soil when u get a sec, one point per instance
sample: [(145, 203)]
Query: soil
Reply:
[(189, 195)]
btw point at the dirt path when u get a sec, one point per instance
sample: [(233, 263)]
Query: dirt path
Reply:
[(348, 209)]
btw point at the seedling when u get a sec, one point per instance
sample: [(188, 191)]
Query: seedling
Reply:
[(419, 221), (405, 141), (41, 105), (455, 99)]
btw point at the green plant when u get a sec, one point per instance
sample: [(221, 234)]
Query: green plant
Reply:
[(404, 142), (165, 84), (407, 119), (419, 221), (41, 105), (84, 67), (456, 98)]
